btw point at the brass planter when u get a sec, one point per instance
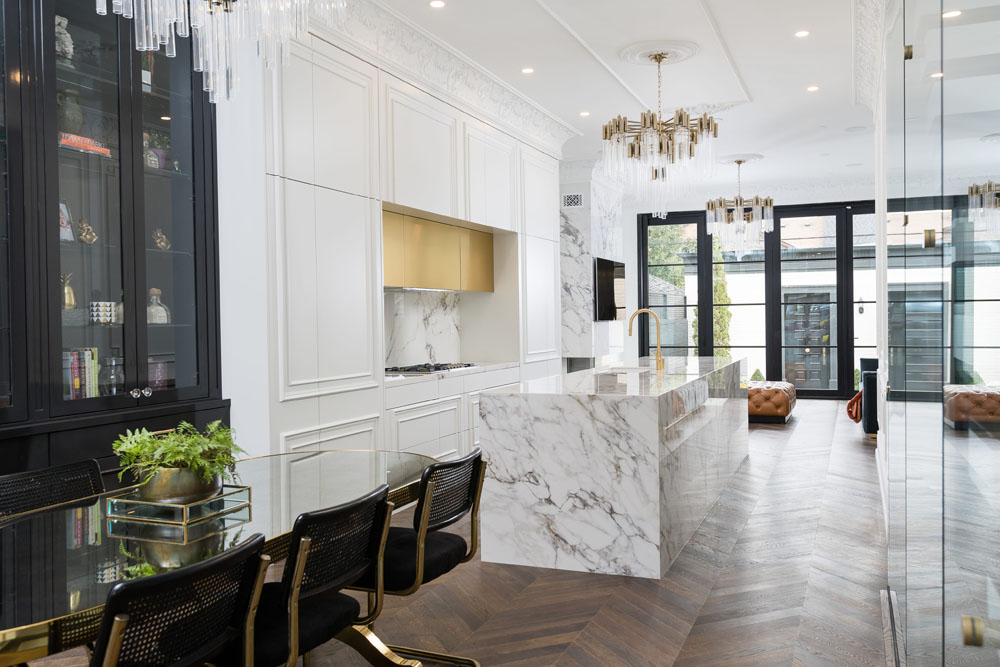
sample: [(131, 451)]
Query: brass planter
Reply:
[(179, 486), (165, 556)]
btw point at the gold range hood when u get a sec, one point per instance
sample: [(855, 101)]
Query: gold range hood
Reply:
[(422, 250)]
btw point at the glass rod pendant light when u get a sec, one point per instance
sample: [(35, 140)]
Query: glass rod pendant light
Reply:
[(740, 224), (984, 208), (658, 158), (216, 28)]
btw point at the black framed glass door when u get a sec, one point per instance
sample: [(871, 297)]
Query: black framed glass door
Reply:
[(789, 308)]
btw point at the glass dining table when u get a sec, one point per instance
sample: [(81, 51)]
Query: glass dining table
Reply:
[(57, 564)]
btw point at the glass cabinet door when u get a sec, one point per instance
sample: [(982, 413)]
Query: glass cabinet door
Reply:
[(172, 340), (91, 308)]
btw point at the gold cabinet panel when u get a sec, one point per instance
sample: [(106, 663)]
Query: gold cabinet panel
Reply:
[(392, 249), (432, 255), (477, 261)]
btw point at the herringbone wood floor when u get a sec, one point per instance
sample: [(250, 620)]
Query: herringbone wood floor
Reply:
[(785, 570)]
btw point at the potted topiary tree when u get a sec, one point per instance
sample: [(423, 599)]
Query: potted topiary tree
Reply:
[(181, 466)]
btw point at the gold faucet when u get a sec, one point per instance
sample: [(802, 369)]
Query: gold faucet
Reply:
[(659, 357)]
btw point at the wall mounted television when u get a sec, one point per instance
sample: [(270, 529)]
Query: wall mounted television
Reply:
[(609, 290)]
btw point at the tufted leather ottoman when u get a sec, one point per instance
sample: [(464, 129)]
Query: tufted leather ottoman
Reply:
[(970, 405), (770, 402)]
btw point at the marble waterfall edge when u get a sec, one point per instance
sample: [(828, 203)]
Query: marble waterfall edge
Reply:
[(606, 472)]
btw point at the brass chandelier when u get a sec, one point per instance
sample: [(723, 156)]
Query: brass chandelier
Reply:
[(740, 224), (657, 157)]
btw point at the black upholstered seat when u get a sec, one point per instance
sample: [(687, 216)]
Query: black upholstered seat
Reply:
[(321, 617), (329, 550), (186, 616), (442, 553), (27, 491)]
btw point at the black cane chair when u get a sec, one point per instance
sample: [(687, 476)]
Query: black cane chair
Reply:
[(413, 556), (329, 549), (186, 616), (32, 490)]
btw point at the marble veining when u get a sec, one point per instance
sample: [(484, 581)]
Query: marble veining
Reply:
[(609, 470), (422, 327)]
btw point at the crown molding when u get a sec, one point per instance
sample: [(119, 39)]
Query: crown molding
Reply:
[(380, 35), (868, 17)]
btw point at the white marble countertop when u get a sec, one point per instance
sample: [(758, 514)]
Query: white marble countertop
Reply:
[(641, 379), (479, 367)]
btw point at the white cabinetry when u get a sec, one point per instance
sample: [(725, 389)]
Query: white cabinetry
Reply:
[(541, 311), (324, 119), (539, 194), (422, 161), (430, 428), (490, 170)]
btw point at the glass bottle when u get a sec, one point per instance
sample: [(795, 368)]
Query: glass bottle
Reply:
[(156, 312), (111, 379)]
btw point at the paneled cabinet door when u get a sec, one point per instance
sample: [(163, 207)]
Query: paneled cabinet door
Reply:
[(540, 300), (422, 160), (539, 194), (490, 176)]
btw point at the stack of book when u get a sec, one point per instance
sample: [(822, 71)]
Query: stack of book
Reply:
[(80, 369), (83, 526)]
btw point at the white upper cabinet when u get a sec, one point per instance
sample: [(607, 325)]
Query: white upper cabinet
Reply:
[(324, 120), (422, 161), (490, 176), (539, 194), (345, 112)]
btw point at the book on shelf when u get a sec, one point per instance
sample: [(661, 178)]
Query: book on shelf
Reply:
[(83, 144), (80, 372)]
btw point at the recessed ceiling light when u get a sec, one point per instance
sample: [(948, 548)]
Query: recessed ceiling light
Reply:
[(437, 4), (812, 89), (584, 113), (164, 117), (855, 129), (950, 14), (937, 75), (802, 33), (854, 164), (527, 70)]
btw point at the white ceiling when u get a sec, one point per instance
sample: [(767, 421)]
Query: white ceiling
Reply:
[(816, 146)]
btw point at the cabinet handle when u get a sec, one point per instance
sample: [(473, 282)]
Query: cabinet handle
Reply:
[(147, 392), (135, 393)]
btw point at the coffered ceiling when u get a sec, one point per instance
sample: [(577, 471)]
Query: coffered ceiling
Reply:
[(746, 65)]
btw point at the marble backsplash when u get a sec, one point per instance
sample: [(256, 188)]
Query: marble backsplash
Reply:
[(421, 327)]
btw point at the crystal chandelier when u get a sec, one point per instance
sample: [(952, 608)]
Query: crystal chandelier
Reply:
[(659, 158), (740, 224), (216, 28), (984, 207)]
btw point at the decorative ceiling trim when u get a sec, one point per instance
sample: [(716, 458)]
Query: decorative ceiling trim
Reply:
[(867, 43), (394, 44), (710, 17), (593, 54)]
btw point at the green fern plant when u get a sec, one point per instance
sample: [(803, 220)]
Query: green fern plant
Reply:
[(209, 454)]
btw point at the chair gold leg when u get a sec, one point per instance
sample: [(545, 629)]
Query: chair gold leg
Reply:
[(434, 656), (373, 649), (307, 659)]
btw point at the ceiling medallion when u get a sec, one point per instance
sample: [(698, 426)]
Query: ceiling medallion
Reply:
[(217, 27), (658, 158), (740, 224)]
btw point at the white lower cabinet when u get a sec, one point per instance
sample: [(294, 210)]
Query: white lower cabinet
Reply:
[(431, 428)]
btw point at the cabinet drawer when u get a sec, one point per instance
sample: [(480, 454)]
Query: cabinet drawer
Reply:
[(442, 449), (490, 379), (422, 423), (410, 394)]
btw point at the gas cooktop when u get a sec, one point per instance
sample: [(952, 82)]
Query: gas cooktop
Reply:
[(421, 369)]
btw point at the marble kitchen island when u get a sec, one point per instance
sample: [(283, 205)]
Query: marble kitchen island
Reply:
[(613, 469)]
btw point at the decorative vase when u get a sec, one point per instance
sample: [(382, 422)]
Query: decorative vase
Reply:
[(69, 297), (179, 486), (70, 113)]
